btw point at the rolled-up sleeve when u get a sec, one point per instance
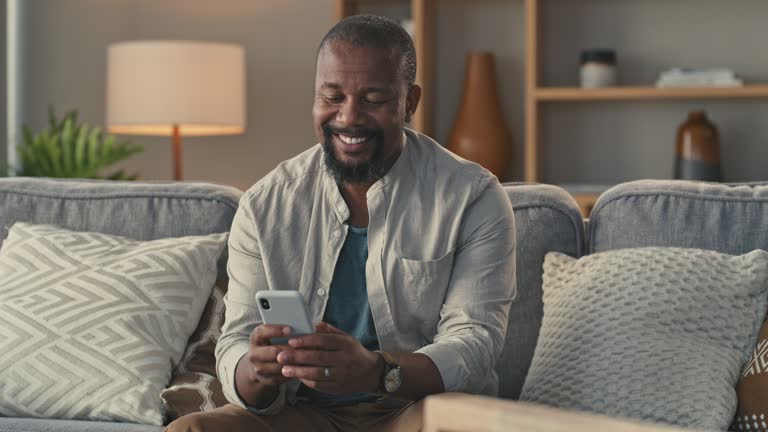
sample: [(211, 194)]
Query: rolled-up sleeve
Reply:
[(473, 319), (246, 277)]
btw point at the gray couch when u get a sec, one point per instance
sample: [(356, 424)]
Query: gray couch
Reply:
[(730, 219)]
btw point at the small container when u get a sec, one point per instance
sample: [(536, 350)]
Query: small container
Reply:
[(598, 68)]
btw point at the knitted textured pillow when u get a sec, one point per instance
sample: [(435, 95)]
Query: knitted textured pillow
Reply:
[(91, 324), (655, 334)]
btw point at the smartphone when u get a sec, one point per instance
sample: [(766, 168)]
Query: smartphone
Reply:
[(285, 308)]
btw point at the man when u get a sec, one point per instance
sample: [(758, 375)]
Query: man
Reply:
[(405, 252)]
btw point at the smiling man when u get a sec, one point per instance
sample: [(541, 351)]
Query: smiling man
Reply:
[(404, 253)]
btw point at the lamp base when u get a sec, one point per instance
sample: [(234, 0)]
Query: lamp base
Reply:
[(176, 143)]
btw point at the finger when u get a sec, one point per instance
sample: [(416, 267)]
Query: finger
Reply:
[(263, 333), (268, 370), (270, 374), (324, 327), (266, 353), (323, 341), (311, 373), (307, 357)]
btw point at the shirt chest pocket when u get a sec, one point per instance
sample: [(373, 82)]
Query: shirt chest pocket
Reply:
[(424, 285)]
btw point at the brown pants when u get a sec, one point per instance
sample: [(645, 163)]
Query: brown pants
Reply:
[(379, 417)]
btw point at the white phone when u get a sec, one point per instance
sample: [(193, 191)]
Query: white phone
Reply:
[(285, 308)]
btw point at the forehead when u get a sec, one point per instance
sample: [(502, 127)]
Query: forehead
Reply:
[(340, 63)]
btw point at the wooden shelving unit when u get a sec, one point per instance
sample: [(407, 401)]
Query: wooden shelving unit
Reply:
[(537, 95), (423, 15)]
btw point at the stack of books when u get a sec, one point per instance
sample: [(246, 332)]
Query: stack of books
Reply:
[(681, 77)]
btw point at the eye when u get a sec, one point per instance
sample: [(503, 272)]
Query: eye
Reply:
[(376, 101), (333, 98)]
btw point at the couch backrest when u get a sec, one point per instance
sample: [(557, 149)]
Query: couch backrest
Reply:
[(547, 219), (138, 210), (731, 219)]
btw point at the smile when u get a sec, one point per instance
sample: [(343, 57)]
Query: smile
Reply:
[(352, 144), (352, 140)]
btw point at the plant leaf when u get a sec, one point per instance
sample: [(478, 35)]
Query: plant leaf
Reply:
[(71, 149), (66, 145)]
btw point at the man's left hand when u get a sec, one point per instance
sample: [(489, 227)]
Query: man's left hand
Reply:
[(331, 361)]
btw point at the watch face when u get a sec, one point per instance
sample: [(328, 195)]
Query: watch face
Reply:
[(392, 380)]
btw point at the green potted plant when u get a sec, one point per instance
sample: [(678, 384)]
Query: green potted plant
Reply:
[(73, 150)]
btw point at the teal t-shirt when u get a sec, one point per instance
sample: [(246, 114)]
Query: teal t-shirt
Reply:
[(349, 311)]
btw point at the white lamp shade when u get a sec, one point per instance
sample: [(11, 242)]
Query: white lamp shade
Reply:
[(154, 85)]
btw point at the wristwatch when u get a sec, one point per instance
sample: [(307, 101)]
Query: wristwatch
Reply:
[(391, 376)]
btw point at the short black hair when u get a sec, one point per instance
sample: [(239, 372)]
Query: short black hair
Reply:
[(379, 32)]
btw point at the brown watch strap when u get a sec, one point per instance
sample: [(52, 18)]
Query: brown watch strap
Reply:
[(388, 359)]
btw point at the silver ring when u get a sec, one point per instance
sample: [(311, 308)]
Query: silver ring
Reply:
[(327, 372)]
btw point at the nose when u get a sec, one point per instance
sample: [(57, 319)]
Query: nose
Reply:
[(350, 113)]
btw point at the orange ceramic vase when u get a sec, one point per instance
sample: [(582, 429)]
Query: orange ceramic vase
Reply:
[(480, 133)]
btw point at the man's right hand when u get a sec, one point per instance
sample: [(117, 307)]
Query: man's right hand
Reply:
[(258, 375)]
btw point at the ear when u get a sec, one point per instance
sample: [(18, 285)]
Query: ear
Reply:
[(412, 101)]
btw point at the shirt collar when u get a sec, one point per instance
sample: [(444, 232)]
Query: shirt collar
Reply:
[(398, 168)]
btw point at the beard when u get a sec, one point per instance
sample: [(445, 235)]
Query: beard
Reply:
[(363, 172)]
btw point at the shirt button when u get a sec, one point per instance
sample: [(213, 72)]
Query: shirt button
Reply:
[(337, 233), (342, 207), (321, 292)]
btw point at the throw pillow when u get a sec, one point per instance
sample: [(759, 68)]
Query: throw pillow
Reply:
[(195, 386), (752, 414), (655, 334), (91, 324)]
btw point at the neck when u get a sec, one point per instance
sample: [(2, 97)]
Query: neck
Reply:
[(390, 159), (355, 197)]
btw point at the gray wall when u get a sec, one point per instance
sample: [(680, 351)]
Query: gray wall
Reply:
[(3, 82), (66, 67), (463, 27), (585, 142)]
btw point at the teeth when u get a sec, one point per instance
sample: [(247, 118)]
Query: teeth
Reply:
[(351, 140)]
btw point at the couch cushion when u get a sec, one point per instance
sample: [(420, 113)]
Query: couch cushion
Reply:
[(137, 210), (547, 219), (726, 218), (36, 425)]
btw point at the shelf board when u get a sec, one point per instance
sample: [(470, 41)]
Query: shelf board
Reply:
[(649, 93)]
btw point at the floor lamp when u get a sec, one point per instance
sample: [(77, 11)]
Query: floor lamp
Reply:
[(175, 88)]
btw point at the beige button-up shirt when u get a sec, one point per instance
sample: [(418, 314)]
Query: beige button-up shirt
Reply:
[(441, 260)]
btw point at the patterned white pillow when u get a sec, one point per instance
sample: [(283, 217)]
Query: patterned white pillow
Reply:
[(91, 324), (655, 334)]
